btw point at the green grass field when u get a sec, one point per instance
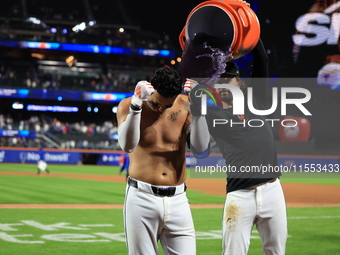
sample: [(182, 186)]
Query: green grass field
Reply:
[(312, 231)]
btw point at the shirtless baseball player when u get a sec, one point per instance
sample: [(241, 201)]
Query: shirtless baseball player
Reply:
[(154, 126)]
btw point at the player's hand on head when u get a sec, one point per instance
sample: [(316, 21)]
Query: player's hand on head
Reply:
[(142, 92), (189, 85)]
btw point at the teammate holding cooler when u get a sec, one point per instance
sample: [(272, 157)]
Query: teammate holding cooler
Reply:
[(252, 198), (154, 127)]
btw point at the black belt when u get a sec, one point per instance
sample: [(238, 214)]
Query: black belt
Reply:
[(255, 186), (165, 192)]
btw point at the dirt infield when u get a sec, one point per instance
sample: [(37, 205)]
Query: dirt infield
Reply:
[(297, 194)]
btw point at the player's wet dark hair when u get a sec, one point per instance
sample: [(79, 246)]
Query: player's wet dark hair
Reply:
[(167, 82)]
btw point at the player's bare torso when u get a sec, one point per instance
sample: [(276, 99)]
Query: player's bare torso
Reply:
[(159, 157)]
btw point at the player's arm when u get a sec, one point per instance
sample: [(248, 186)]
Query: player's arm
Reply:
[(129, 116), (260, 72), (128, 125), (199, 137), (197, 130), (260, 61)]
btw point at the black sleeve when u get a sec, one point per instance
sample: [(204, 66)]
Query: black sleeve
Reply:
[(260, 61), (259, 81)]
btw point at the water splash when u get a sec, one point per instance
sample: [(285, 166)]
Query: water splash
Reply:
[(219, 59)]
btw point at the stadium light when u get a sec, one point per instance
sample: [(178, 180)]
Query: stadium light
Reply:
[(18, 106), (37, 55), (82, 26), (36, 21), (71, 60)]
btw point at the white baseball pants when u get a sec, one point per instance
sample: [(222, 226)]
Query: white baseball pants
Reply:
[(149, 218), (264, 206)]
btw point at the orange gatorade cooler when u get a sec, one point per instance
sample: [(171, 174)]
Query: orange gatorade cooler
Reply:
[(232, 27)]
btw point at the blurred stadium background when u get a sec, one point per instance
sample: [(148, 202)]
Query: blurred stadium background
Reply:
[(64, 70), (64, 67)]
